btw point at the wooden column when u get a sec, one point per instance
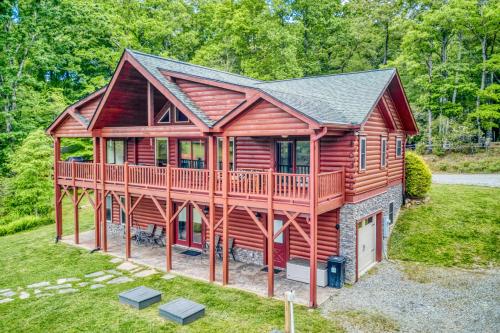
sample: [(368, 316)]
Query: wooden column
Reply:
[(57, 188), (225, 212), (151, 113), (313, 217), (170, 224), (97, 233), (127, 211), (75, 202), (270, 234), (104, 236), (212, 160)]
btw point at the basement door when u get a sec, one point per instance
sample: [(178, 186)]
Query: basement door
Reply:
[(189, 228), (280, 246), (367, 243)]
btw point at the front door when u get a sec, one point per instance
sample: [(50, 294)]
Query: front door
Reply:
[(280, 248), (189, 228)]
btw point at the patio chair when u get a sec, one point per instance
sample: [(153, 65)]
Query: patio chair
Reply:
[(145, 235), (158, 237), (220, 249)]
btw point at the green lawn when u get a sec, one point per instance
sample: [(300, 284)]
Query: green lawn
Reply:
[(460, 226), (30, 257)]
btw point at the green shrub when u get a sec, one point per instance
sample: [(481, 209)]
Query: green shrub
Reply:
[(24, 223), (418, 176), (420, 148)]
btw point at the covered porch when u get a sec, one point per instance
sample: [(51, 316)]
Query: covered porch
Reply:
[(244, 276)]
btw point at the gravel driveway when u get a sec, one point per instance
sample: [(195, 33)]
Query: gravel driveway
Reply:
[(415, 298), (492, 180)]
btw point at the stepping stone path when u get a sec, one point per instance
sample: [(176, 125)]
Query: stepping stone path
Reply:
[(121, 279), (97, 286), (127, 266), (39, 284), (168, 277), (103, 278), (61, 281), (95, 274), (95, 280), (24, 295)]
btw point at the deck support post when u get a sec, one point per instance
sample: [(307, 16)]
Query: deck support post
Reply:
[(211, 202), (127, 211), (270, 234), (170, 224), (75, 203), (225, 214), (104, 238), (97, 233), (57, 188), (313, 218)]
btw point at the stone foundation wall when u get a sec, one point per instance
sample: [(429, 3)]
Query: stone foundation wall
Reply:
[(351, 213), (249, 256)]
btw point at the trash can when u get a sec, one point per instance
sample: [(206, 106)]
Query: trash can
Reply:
[(336, 271)]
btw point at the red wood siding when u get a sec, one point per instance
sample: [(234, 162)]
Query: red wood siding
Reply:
[(71, 127), (337, 152), (327, 237), (147, 213), (88, 109), (213, 101), (264, 117), (253, 153)]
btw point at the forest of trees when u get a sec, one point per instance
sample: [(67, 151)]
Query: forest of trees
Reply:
[(53, 52)]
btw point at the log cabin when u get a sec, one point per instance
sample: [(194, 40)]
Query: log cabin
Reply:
[(303, 168)]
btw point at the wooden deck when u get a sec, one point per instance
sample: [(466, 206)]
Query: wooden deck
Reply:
[(253, 188)]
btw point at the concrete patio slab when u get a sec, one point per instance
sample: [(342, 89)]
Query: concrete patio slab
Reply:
[(243, 276)]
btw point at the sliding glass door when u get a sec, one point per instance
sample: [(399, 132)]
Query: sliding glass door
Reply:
[(192, 154), (292, 156)]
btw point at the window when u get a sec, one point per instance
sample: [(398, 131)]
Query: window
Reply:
[(231, 153), (161, 152), (399, 147), (165, 119), (115, 151), (109, 208), (292, 156), (180, 117), (192, 154), (362, 153), (391, 212), (122, 211), (383, 152)]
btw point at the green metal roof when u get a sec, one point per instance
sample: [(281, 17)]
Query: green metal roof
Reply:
[(328, 99)]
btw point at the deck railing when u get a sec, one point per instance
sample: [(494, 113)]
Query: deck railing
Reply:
[(241, 183), (330, 184)]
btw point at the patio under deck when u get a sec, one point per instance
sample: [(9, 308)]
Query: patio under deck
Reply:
[(248, 277)]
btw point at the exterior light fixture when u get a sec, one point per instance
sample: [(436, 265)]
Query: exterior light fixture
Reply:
[(205, 210)]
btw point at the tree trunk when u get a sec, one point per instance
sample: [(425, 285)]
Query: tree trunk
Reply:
[(483, 72), (459, 59), (386, 43)]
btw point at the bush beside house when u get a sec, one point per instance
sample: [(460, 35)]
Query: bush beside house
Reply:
[(418, 176)]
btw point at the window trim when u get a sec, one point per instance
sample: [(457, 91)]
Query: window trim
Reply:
[(390, 213), (122, 211), (109, 205), (177, 111), (400, 140), (361, 153), (383, 152), (232, 141), (156, 150)]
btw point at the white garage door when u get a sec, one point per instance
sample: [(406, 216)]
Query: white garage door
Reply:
[(367, 243)]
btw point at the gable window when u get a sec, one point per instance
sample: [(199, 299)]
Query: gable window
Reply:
[(383, 152), (231, 154), (165, 118), (161, 152), (192, 154), (362, 153), (115, 151), (292, 156), (109, 208), (180, 117), (399, 147), (391, 212)]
